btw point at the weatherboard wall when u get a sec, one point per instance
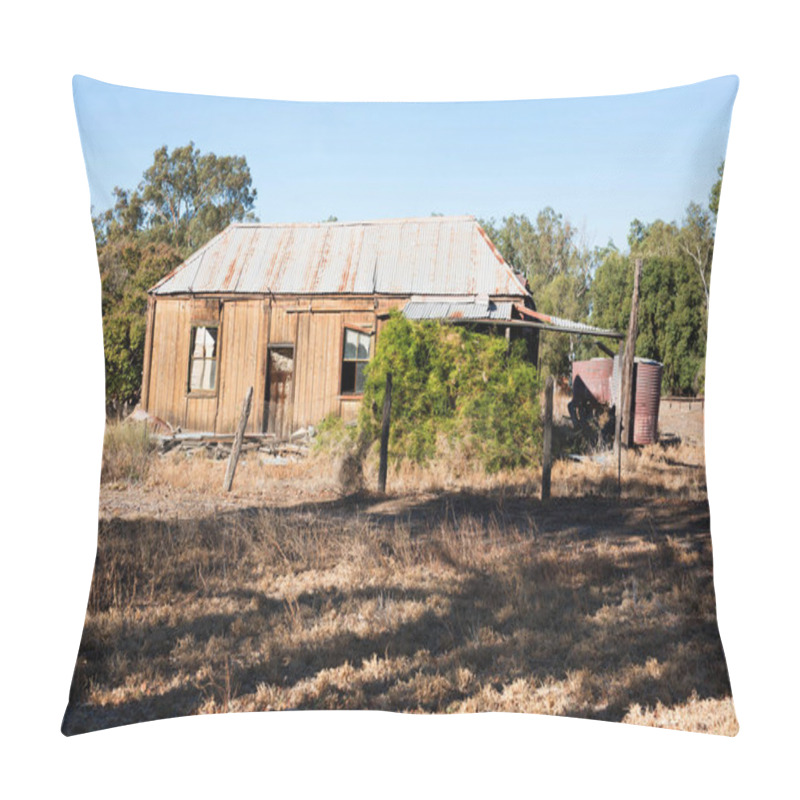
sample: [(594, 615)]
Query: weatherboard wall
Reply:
[(248, 327)]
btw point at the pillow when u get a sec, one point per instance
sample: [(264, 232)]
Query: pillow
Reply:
[(404, 407)]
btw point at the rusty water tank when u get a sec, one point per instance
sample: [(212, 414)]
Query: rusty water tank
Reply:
[(647, 378), (596, 376), (647, 399)]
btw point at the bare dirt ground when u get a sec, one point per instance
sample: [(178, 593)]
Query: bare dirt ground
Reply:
[(292, 593)]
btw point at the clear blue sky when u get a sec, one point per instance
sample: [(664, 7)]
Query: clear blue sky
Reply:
[(601, 162)]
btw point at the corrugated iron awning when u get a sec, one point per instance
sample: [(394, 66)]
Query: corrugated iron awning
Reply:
[(477, 310), (499, 313), (559, 324)]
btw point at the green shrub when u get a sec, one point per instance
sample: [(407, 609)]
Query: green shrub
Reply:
[(451, 385), (333, 436)]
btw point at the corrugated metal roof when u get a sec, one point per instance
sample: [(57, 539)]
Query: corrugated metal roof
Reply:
[(428, 255), (415, 309)]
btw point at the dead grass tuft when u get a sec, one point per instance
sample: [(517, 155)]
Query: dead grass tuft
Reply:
[(127, 452), (711, 715)]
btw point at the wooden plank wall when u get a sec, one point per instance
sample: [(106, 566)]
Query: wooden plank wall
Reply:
[(239, 368), (199, 412), (170, 361), (318, 362), (247, 327)]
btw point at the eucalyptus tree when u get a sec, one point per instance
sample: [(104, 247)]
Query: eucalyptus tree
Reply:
[(185, 198)]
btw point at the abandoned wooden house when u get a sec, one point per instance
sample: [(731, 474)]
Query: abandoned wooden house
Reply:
[(294, 310)]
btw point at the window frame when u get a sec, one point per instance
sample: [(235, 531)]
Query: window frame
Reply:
[(354, 394), (192, 334)]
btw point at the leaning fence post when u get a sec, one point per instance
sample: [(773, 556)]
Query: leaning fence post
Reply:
[(237, 441), (547, 444), (387, 412)]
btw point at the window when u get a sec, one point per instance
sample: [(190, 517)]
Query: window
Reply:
[(203, 359), (354, 358)]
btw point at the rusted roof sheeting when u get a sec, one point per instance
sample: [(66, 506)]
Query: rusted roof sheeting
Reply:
[(455, 311), (428, 255), (566, 324)]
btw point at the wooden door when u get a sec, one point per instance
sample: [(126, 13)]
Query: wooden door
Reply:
[(280, 382)]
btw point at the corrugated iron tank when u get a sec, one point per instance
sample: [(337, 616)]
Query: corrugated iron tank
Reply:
[(602, 377), (596, 376), (647, 377)]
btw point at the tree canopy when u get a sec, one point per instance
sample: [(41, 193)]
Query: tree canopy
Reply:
[(558, 266), (569, 279), (185, 197), (675, 287)]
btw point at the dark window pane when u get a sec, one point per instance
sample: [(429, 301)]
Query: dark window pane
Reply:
[(348, 377), (211, 341)]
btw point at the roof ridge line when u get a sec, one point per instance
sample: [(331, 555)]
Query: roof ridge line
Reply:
[(347, 223)]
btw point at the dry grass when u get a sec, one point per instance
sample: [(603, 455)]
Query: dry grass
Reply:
[(675, 471), (459, 592), (654, 471), (128, 452), (700, 716), (443, 602), (254, 474)]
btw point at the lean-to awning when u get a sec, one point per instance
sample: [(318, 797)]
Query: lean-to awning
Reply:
[(502, 314), (455, 311)]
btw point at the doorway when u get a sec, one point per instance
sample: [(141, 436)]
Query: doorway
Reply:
[(280, 381)]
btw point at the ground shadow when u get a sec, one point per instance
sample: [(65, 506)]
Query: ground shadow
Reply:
[(548, 617)]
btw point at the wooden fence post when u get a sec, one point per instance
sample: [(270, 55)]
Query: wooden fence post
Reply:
[(547, 443), (387, 412), (237, 441), (628, 360), (618, 421)]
